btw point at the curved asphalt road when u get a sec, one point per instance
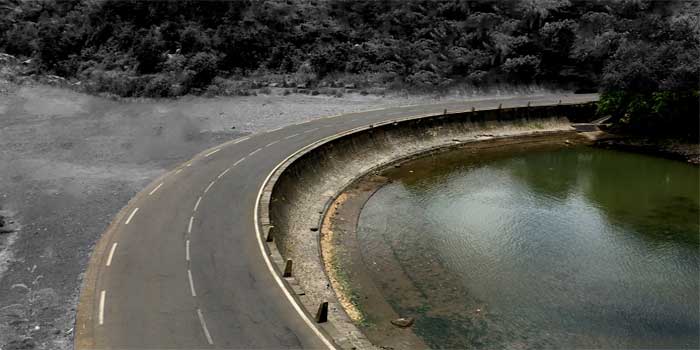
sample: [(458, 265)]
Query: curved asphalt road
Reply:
[(181, 267)]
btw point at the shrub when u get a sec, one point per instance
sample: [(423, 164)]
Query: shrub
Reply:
[(668, 113), (203, 69), (148, 53), (521, 69), (159, 86)]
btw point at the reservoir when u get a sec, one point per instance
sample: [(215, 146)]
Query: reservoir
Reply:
[(555, 247)]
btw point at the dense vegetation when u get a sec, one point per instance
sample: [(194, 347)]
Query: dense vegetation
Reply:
[(643, 54)]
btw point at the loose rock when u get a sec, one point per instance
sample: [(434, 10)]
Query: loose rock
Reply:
[(403, 322)]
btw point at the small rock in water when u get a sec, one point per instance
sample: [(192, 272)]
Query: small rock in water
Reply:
[(403, 322)]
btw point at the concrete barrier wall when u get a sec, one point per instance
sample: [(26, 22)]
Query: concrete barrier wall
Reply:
[(301, 189)]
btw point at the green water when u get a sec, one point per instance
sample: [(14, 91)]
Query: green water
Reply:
[(554, 248)]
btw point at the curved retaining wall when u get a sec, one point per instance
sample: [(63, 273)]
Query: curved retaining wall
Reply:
[(297, 194)]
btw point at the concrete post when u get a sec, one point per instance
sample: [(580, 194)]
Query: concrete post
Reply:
[(322, 314), (288, 269), (269, 237)]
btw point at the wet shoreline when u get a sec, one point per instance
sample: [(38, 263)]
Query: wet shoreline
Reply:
[(344, 261), (669, 149)]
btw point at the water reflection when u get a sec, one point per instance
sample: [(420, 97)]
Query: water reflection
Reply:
[(559, 248)]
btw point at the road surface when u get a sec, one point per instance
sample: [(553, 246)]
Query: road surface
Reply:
[(181, 267)]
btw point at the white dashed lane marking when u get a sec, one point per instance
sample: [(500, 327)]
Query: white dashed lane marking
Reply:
[(111, 254), (133, 212), (101, 314), (241, 139), (155, 189), (196, 205), (290, 136), (223, 173), (187, 250), (256, 151), (189, 276), (209, 187), (189, 227), (310, 130), (272, 143), (238, 161), (212, 152), (204, 327)]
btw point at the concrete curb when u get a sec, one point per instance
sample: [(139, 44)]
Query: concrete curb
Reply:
[(265, 226)]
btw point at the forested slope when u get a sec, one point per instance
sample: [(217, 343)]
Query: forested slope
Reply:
[(133, 48)]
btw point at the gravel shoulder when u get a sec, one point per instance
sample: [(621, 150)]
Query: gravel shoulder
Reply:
[(69, 162)]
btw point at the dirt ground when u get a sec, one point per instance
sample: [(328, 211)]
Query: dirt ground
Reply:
[(70, 161)]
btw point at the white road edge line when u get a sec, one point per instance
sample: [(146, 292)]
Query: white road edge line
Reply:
[(258, 235), (189, 227), (256, 151), (212, 152), (204, 327), (187, 250), (101, 315), (272, 143), (209, 187), (290, 136), (196, 205), (178, 171), (268, 262), (189, 275), (133, 212), (223, 173), (261, 245), (111, 254), (189, 164), (238, 161), (155, 189)]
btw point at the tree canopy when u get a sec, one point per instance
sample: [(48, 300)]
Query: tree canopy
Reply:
[(632, 45)]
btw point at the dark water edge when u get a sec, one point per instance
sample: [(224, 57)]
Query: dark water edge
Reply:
[(409, 250), (675, 149)]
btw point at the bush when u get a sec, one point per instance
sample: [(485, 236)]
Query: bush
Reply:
[(522, 69), (202, 69), (661, 113), (148, 54), (159, 86)]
